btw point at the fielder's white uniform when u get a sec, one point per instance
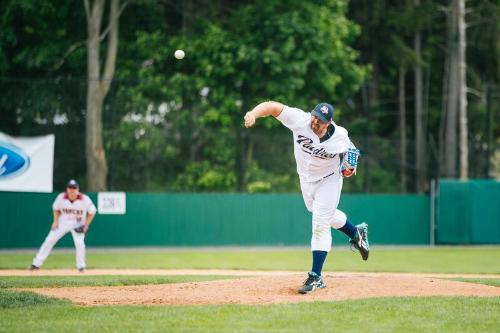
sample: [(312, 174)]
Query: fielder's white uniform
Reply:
[(71, 216), (318, 166)]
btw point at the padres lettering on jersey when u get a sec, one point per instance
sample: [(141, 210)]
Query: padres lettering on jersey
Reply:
[(307, 147), (314, 159)]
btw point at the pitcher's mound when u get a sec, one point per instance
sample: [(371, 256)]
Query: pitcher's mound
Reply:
[(273, 288)]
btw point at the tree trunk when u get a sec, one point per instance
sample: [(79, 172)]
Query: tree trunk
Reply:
[(371, 105), (243, 141), (97, 89), (187, 15), (449, 146), (489, 130), (420, 142), (443, 116), (402, 127), (366, 137), (462, 88), (96, 158), (373, 84)]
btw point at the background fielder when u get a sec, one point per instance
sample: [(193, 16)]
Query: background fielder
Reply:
[(324, 154), (73, 212)]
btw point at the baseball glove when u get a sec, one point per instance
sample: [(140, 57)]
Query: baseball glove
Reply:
[(350, 162), (80, 230)]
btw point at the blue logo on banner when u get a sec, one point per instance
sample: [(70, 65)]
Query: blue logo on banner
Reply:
[(12, 160)]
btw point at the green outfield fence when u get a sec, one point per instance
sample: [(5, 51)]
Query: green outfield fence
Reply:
[(215, 219), (467, 213)]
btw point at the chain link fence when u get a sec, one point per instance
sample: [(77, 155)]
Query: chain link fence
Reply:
[(150, 148)]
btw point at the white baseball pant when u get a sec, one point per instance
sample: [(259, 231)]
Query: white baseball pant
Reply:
[(322, 198), (54, 236)]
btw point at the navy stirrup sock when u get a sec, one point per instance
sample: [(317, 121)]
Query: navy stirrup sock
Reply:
[(349, 229), (318, 261)]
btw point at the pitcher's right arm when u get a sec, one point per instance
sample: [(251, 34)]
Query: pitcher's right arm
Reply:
[(263, 110)]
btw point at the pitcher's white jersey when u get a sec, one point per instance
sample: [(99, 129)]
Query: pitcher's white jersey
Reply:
[(315, 160), (73, 212)]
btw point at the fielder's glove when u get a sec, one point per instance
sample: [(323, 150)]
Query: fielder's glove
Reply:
[(80, 230), (349, 162)]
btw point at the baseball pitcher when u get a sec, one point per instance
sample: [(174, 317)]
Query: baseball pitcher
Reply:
[(73, 212), (324, 155)]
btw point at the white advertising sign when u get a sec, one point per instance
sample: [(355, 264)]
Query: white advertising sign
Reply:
[(111, 203), (26, 163)]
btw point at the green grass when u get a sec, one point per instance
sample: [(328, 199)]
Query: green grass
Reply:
[(26, 311), (19, 299), (426, 260), (434, 314), (100, 280), (489, 282)]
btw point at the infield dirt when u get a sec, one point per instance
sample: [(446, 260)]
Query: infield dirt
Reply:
[(261, 287)]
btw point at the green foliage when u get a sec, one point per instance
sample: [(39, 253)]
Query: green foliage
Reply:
[(387, 44), (203, 176), (177, 124), (33, 40), (259, 186), (228, 69), (260, 180)]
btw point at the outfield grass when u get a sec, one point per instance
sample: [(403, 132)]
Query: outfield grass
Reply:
[(99, 280), (425, 260), (11, 299), (26, 311), (33, 313), (488, 282)]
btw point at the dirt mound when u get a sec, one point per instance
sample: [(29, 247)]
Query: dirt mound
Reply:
[(272, 288)]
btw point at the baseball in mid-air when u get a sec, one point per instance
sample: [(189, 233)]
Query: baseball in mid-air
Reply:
[(179, 54)]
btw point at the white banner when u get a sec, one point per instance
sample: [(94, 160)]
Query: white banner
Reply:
[(26, 163), (111, 203)]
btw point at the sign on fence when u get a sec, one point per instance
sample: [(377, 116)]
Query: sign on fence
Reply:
[(111, 203)]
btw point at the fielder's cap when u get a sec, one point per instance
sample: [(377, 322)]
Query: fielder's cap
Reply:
[(324, 112), (73, 184)]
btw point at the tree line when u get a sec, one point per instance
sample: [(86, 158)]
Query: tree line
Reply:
[(415, 82)]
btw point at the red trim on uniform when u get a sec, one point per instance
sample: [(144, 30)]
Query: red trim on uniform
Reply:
[(279, 113), (79, 196)]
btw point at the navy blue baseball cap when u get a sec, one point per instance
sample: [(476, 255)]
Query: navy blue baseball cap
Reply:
[(324, 112), (73, 184)]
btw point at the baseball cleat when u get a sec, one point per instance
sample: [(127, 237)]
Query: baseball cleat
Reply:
[(34, 268), (81, 270), (360, 241), (313, 282)]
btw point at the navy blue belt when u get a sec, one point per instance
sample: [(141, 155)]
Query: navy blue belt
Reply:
[(328, 175)]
